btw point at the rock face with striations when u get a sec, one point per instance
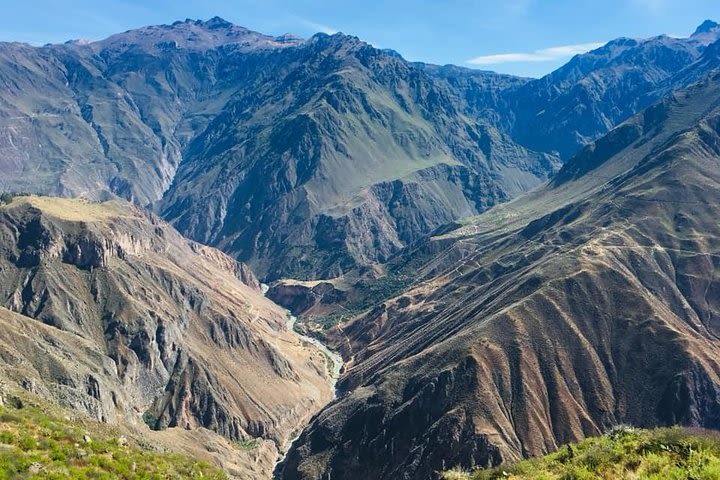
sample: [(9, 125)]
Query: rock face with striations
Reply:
[(135, 324), (590, 302)]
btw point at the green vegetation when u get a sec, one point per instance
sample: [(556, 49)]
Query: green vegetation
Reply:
[(35, 444), (661, 454), (251, 444), (307, 260), (6, 198), (366, 293), (401, 272), (151, 419)]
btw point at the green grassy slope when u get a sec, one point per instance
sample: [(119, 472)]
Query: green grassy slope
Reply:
[(38, 441), (623, 453)]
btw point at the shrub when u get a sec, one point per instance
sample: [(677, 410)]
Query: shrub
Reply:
[(32, 436), (624, 452)]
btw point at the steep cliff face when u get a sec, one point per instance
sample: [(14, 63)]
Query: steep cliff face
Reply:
[(133, 323), (590, 302)]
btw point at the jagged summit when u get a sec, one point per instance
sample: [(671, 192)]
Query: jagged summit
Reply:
[(196, 34), (707, 26), (217, 22), (707, 33), (214, 22), (77, 41)]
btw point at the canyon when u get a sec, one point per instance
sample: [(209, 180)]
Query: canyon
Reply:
[(463, 268)]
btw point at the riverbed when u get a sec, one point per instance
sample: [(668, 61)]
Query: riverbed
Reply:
[(335, 361), (334, 367)]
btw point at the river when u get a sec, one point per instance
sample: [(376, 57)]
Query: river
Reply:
[(335, 365), (334, 359)]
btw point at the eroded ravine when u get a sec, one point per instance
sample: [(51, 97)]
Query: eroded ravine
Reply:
[(334, 359), (335, 365)]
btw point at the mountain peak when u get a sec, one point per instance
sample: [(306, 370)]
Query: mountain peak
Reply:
[(196, 35), (706, 26), (217, 23)]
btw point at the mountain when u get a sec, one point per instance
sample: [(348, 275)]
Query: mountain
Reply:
[(370, 155), (590, 302), (307, 158), (111, 118), (245, 141), (111, 312), (593, 92), (474, 333)]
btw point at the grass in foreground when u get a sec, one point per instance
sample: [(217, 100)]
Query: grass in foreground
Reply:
[(624, 453), (37, 444)]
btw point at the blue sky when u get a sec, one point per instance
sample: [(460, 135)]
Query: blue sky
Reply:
[(523, 37)]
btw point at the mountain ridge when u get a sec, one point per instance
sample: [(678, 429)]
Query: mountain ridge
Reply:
[(207, 113), (117, 315), (517, 263)]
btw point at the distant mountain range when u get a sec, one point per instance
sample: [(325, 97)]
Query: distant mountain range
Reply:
[(307, 158)]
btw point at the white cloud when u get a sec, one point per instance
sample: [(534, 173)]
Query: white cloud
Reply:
[(542, 55), (319, 27)]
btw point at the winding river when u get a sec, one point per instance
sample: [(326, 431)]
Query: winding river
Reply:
[(335, 365), (334, 359)]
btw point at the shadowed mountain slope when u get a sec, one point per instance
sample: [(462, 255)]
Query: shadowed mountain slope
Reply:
[(592, 93), (582, 100), (590, 302), (346, 155), (121, 317)]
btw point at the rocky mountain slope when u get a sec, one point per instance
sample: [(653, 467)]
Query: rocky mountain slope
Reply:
[(590, 302), (119, 316), (368, 157), (306, 158), (111, 118), (593, 92), (244, 141)]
